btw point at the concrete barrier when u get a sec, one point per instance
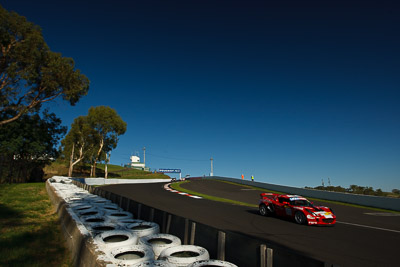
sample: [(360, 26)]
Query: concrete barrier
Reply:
[(363, 200)]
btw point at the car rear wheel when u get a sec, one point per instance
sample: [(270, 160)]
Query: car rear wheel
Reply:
[(300, 218), (262, 209), (266, 210)]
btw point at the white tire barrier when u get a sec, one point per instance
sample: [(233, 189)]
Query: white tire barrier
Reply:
[(125, 222), (98, 228), (144, 228), (88, 212), (115, 238), (129, 255), (119, 215), (216, 263), (99, 200), (159, 242), (109, 208), (80, 206), (88, 220), (156, 263), (184, 255)]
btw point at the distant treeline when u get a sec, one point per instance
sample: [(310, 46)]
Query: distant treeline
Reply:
[(361, 190)]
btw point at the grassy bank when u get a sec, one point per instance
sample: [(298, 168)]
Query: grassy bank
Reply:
[(30, 234), (114, 171)]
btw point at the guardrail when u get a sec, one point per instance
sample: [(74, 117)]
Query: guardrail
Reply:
[(238, 248), (363, 200)]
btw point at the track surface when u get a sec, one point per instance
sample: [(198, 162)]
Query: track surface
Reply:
[(358, 239)]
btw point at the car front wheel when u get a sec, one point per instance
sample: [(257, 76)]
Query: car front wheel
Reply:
[(300, 218)]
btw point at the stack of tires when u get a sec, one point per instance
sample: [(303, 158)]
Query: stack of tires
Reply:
[(124, 240)]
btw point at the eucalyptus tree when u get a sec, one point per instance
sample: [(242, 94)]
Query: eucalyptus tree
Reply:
[(79, 142), (92, 137), (30, 73)]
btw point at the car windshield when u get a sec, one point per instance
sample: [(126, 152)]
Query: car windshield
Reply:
[(301, 202)]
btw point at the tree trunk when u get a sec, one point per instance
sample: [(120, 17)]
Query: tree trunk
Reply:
[(91, 170), (105, 168), (98, 155), (71, 166), (108, 156)]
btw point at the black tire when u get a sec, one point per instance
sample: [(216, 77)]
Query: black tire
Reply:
[(263, 210), (300, 218), (266, 210)]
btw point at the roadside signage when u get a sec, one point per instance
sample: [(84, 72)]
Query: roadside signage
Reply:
[(170, 170)]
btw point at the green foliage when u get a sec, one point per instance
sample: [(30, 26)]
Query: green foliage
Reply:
[(30, 234), (107, 124), (31, 74), (27, 144)]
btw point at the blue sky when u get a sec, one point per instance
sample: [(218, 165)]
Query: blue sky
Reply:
[(291, 92)]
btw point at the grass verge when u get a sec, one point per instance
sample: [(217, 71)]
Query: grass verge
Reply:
[(177, 187), (30, 234)]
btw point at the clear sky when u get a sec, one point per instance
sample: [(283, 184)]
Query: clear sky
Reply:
[(291, 92)]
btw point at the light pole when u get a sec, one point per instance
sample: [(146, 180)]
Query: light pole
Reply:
[(212, 172)]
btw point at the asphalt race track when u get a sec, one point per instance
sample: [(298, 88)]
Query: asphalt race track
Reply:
[(361, 237)]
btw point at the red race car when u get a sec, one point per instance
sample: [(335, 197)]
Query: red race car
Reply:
[(297, 208)]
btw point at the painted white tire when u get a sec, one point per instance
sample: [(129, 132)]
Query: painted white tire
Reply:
[(143, 228), (129, 255), (115, 238), (119, 215), (99, 200), (89, 212), (89, 220), (154, 264), (212, 263), (80, 206), (171, 255), (109, 208), (167, 241), (98, 228), (125, 222)]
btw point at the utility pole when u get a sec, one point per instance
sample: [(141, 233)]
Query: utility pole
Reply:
[(144, 156), (212, 172)]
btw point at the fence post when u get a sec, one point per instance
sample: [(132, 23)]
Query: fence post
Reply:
[(221, 246), (186, 235), (168, 223), (139, 210), (151, 219), (193, 233), (266, 256)]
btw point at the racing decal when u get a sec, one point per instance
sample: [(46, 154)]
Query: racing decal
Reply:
[(288, 210), (166, 187)]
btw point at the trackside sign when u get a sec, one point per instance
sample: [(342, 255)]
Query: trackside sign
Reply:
[(170, 170)]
